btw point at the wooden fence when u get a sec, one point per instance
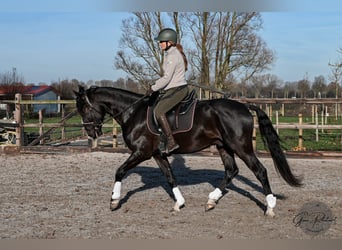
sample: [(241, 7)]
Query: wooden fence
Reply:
[(318, 120), (18, 125)]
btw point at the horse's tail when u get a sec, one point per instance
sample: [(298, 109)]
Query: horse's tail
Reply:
[(271, 140)]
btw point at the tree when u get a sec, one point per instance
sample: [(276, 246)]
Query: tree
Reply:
[(264, 85), (11, 77), (238, 49), (131, 85), (331, 90), (257, 85), (319, 86), (65, 88), (11, 83), (336, 74), (120, 83), (201, 26), (272, 84), (104, 83), (139, 56), (303, 87), (219, 45), (290, 89)]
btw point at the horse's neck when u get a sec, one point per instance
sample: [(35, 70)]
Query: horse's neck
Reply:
[(121, 105)]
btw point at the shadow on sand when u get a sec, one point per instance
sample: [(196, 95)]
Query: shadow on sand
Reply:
[(152, 177)]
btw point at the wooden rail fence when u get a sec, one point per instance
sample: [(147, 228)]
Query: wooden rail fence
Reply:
[(318, 123)]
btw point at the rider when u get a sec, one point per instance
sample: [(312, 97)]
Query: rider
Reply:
[(172, 82)]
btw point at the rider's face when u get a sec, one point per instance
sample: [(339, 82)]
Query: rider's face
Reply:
[(163, 45)]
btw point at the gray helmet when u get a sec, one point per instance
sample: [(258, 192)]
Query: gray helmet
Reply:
[(166, 35)]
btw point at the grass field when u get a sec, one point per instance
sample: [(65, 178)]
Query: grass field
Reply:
[(69, 132), (329, 140)]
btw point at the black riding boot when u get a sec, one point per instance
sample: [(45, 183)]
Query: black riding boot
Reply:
[(171, 145)]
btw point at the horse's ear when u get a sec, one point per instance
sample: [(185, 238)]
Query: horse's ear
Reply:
[(76, 93), (81, 91)]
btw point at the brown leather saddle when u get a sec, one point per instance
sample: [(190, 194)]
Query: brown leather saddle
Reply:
[(180, 118)]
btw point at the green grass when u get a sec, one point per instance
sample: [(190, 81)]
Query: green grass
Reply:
[(329, 140), (69, 132)]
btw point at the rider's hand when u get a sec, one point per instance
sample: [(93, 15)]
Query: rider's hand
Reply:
[(149, 90)]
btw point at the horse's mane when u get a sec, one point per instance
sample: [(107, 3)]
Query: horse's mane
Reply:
[(112, 91)]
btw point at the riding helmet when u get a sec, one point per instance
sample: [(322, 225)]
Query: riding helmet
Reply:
[(166, 35)]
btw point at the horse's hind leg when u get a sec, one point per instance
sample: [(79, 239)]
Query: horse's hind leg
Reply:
[(164, 166), (231, 170), (261, 174)]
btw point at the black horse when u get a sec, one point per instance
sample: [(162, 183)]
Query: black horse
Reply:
[(222, 122)]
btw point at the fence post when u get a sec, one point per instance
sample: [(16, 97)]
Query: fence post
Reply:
[(19, 120), (115, 134), (41, 129), (254, 133), (316, 122), (63, 127), (326, 115), (300, 135), (277, 121), (338, 111), (322, 119)]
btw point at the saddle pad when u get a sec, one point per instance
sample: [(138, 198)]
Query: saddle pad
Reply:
[(184, 121)]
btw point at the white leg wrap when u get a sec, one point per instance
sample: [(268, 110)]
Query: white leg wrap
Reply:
[(116, 190), (179, 197), (216, 194), (271, 201)]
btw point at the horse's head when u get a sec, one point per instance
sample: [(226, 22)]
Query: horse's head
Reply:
[(91, 113)]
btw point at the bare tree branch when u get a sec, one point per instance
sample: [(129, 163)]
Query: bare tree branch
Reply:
[(219, 45)]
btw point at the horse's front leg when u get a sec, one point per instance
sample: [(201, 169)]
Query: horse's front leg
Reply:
[(133, 160), (164, 165)]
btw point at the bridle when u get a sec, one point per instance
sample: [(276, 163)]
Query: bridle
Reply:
[(95, 124), (100, 124)]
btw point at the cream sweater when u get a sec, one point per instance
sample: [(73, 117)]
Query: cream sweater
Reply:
[(174, 71)]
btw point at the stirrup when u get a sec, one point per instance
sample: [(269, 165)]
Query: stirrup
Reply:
[(163, 147), (175, 146), (162, 142)]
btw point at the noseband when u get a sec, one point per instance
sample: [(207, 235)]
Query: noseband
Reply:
[(95, 124)]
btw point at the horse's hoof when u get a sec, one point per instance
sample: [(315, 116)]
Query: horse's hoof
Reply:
[(269, 213), (177, 207), (114, 204), (211, 204)]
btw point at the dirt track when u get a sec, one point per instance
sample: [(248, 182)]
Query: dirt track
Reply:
[(66, 196)]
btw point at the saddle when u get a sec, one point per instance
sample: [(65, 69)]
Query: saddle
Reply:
[(180, 117)]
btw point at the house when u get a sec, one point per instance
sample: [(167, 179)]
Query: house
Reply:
[(43, 92)]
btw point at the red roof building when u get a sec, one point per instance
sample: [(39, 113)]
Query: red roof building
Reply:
[(43, 92)]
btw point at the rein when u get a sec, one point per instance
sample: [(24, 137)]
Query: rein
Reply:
[(131, 105), (112, 116)]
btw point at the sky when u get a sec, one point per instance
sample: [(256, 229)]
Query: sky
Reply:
[(48, 42), (304, 43)]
